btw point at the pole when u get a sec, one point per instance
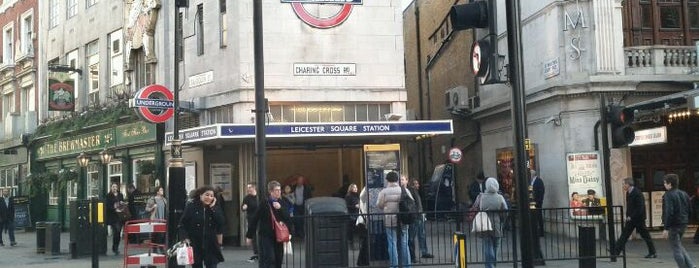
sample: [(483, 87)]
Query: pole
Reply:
[(176, 172), (519, 120), (607, 172), (260, 101), (93, 227)]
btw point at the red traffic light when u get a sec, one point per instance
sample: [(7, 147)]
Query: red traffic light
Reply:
[(621, 118)]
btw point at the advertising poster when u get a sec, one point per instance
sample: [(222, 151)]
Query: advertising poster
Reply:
[(221, 174), (584, 174), (22, 215), (656, 208)]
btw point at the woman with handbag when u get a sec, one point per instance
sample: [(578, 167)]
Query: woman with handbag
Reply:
[(115, 206), (494, 204), (269, 224), (198, 226)]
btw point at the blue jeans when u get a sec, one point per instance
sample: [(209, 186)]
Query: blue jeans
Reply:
[(490, 250), (10, 227), (417, 230), (392, 251), (674, 235)]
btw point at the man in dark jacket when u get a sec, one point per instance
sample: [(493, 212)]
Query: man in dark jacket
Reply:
[(476, 187), (249, 206), (538, 190), (7, 217), (676, 211), (417, 229), (635, 219), (271, 251)]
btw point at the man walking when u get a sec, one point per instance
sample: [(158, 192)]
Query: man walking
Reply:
[(7, 216), (249, 206), (676, 211), (635, 219), (417, 229)]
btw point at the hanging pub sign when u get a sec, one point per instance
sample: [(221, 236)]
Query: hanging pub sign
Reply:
[(154, 103), (61, 92)]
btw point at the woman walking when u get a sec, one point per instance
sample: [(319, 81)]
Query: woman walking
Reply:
[(156, 206), (352, 200), (495, 205), (271, 251), (199, 225), (115, 207)]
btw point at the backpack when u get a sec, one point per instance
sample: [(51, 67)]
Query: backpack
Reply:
[(407, 208)]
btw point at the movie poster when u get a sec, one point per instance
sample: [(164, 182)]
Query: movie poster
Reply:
[(585, 189), (61, 92)]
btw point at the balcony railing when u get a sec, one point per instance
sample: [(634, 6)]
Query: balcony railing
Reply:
[(660, 60)]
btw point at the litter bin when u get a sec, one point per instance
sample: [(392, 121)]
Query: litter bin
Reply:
[(326, 232), (586, 247), (53, 238), (40, 227)]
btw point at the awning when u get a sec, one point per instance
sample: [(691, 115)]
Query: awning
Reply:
[(667, 101), (296, 131)]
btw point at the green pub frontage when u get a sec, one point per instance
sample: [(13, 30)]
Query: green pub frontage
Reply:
[(124, 154)]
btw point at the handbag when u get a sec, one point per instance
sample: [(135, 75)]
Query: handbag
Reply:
[(481, 223), (281, 232), (185, 255)]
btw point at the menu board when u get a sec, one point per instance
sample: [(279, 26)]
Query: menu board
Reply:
[(22, 215)]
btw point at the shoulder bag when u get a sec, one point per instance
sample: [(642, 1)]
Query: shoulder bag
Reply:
[(281, 232)]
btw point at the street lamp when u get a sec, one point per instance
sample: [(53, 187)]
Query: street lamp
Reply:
[(83, 161), (106, 158)]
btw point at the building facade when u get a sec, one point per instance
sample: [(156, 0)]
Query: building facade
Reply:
[(578, 55), (19, 89)]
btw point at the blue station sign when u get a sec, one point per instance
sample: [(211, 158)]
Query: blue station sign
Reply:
[(340, 129)]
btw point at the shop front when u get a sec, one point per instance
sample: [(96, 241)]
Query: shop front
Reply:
[(122, 154), (328, 155)]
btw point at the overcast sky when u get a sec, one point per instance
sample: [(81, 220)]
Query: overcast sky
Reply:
[(405, 3)]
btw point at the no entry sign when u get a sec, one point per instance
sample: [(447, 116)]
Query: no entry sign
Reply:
[(154, 103)]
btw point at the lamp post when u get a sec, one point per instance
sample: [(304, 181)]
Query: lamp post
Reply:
[(106, 158), (83, 160)]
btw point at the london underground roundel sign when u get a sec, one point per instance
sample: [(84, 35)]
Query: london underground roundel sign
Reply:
[(154, 103), (323, 14)]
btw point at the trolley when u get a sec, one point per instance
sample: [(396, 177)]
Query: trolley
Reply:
[(144, 253)]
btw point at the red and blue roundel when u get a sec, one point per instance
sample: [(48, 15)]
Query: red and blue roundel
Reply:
[(323, 22)]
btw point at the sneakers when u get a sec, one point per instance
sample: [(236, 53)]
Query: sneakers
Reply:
[(252, 259), (651, 256), (13, 244)]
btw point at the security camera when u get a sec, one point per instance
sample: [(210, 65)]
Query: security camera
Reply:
[(556, 121)]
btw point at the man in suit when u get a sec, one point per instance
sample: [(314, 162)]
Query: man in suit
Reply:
[(635, 219), (538, 190), (302, 192), (7, 216)]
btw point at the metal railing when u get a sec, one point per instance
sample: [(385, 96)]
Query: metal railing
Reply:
[(560, 241)]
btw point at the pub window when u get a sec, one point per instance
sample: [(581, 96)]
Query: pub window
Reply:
[(53, 194), (93, 181)]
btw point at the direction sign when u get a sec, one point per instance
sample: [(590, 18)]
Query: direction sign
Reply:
[(154, 103)]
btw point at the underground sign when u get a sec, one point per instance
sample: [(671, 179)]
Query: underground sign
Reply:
[(154, 103)]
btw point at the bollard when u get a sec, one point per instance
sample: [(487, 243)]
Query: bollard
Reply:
[(40, 237), (586, 247), (459, 250)]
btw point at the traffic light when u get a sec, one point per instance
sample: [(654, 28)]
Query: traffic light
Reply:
[(484, 56), (621, 118)]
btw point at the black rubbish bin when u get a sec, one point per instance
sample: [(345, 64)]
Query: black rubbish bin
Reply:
[(40, 227), (53, 238), (586, 247), (326, 232)]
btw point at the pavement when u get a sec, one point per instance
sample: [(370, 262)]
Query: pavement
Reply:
[(24, 255)]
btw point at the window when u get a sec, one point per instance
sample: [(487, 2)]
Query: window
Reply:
[(117, 64), (53, 13), (8, 38), (661, 22), (53, 194), (93, 70), (89, 3), (144, 175), (114, 170), (71, 8), (223, 23), (26, 36), (93, 180), (200, 29), (143, 73), (8, 180), (8, 101), (326, 112)]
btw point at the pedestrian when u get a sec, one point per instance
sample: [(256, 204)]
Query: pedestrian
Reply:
[(495, 205), (695, 210), (417, 229), (220, 201), (352, 202), (538, 190), (115, 207), (199, 225), (302, 192), (635, 219), (132, 192), (388, 200), (362, 231), (7, 216), (287, 201), (676, 211), (249, 206), (476, 187), (271, 251), (156, 207)]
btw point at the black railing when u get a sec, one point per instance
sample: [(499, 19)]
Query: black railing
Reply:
[(560, 241)]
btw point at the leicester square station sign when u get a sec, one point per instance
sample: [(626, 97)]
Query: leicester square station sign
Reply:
[(344, 10), (154, 103)]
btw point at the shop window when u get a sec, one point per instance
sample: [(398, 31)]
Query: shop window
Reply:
[(114, 170), (93, 181), (71, 191), (53, 194), (144, 175)]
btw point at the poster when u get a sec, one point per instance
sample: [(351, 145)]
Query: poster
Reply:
[(22, 216), (190, 176), (221, 175), (585, 173), (656, 208)]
